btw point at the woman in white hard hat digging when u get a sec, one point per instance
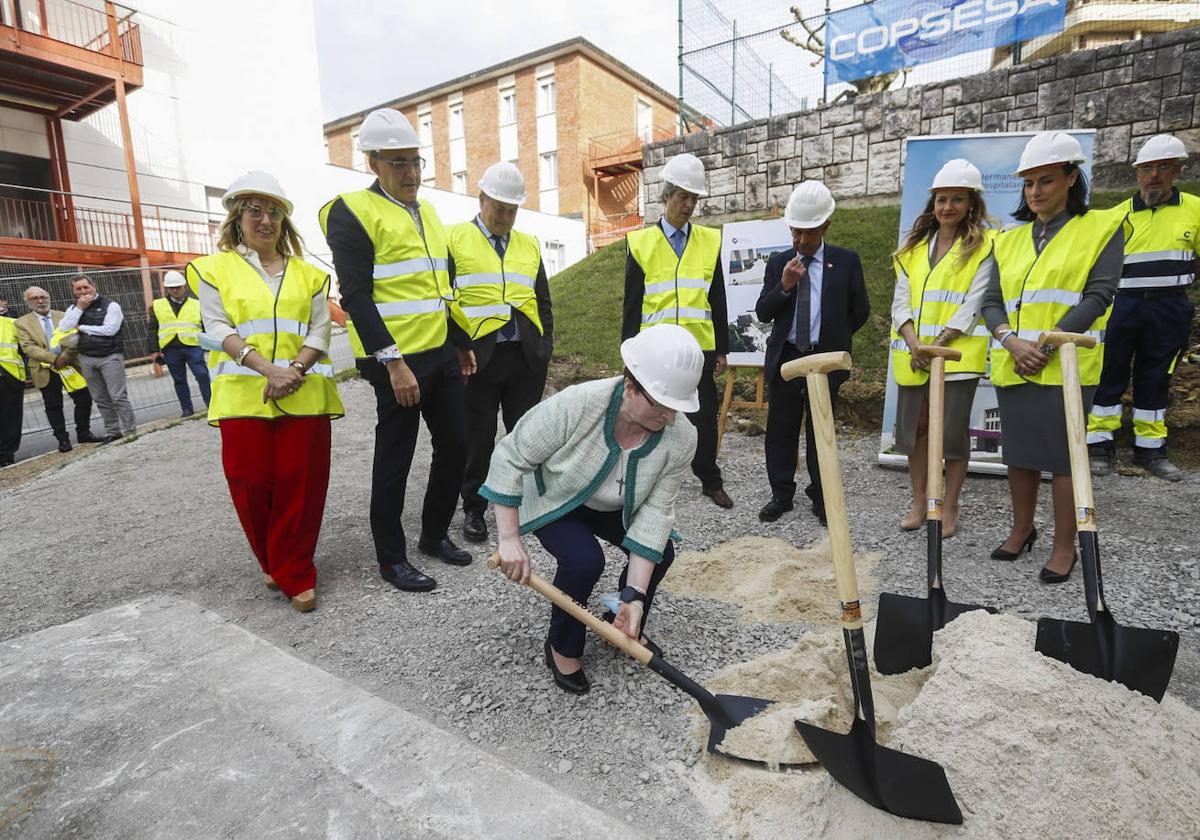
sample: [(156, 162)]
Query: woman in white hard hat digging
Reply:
[(273, 394), (601, 460), (942, 271), (1058, 271)]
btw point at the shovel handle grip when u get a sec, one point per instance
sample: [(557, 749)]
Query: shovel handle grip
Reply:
[(565, 602), (933, 351)]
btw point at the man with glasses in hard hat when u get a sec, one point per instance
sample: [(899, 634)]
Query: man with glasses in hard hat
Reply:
[(673, 275), (175, 324), (815, 296), (504, 306), (1151, 317), (389, 251)]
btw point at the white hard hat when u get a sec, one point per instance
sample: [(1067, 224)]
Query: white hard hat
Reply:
[(667, 361), (1161, 147), (173, 280), (1050, 147), (256, 183), (958, 173), (503, 182), (809, 206), (386, 128), (686, 172)]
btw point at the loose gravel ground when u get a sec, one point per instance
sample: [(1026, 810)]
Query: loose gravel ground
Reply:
[(153, 515)]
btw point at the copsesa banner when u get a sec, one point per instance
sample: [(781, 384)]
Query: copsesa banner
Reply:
[(889, 35)]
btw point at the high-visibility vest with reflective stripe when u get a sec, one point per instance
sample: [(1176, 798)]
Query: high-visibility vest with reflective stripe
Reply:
[(273, 324), (72, 379), (1039, 289), (489, 288), (677, 286), (934, 296), (1161, 244), (412, 273), (185, 326), (10, 356)]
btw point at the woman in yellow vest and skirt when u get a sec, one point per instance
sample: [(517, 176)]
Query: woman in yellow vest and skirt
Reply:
[(273, 393), (942, 271), (1058, 271)]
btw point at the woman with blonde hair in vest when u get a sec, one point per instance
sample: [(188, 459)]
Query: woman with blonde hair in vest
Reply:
[(942, 271), (273, 394), (1057, 272)]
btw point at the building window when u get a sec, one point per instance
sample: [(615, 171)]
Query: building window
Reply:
[(546, 101), (459, 182), (357, 159), (508, 106), (456, 121), (554, 256), (548, 171), (425, 129)]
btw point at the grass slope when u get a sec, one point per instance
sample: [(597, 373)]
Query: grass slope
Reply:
[(587, 296)]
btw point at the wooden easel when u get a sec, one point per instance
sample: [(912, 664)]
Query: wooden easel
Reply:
[(729, 402)]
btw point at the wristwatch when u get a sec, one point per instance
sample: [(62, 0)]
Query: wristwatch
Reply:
[(299, 365), (630, 594)]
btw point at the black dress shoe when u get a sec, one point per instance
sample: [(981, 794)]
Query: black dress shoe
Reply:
[(447, 551), (64, 444), (109, 439), (774, 509), (575, 682), (1027, 546), (86, 437), (1048, 576), (407, 577), (719, 497), (474, 528), (7, 460)]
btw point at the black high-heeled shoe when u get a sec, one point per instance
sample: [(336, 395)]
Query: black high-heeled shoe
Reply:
[(1048, 576), (1000, 554), (575, 682)]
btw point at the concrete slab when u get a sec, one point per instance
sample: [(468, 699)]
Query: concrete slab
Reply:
[(160, 719)]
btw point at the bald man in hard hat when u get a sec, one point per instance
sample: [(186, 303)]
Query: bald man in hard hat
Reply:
[(389, 251), (673, 276), (174, 324), (504, 306), (1151, 319), (815, 297)]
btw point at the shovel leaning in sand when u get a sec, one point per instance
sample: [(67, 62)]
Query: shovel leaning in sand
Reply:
[(901, 784), (724, 711), (1139, 658), (905, 625)]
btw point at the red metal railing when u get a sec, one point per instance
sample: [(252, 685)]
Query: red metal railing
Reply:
[(88, 220), (608, 229), (83, 26), (623, 147)]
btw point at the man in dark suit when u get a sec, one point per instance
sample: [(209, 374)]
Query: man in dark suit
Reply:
[(816, 299)]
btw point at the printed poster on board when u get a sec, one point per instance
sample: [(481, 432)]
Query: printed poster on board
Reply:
[(745, 249)]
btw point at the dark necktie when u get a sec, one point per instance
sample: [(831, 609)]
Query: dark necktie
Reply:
[(509, 331), (804, 308)]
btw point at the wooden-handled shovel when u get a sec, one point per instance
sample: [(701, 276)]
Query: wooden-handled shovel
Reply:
[(724, 711), (1137, 657), (893, 781), (905, 625)]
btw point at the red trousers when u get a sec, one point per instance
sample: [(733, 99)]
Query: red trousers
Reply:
[(278, 472)]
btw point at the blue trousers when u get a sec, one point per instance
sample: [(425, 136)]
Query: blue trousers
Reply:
[(179, 359), (571, 540)]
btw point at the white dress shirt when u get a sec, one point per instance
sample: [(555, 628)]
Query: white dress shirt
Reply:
[(113, 318)]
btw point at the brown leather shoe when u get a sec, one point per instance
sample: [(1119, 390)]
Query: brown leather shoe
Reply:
[(306, 601), (720, 497), (269, 582)]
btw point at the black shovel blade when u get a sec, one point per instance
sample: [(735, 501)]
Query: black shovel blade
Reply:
[(1139, 658), (900, 784), (905, 625)]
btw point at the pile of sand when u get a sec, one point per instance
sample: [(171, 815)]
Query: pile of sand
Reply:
[(1031, 747), (769, 579)]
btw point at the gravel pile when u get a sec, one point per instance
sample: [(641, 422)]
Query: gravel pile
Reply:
[(154, 515)]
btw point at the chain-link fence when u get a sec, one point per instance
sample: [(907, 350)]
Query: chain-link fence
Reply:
[(743, 60)]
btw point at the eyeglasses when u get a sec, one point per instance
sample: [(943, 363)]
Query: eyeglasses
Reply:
[(1155, 168), (256, 212), (657, 406), (402, 163)]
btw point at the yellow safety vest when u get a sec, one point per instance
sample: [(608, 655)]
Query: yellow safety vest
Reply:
[(490, 288), (412, 272), (1039, 289), (1161, 244), (10, 356), (275, 325), (934, 295), (72, 379), (185, 326), (677, 286)]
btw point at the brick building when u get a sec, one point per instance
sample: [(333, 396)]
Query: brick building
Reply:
[(570, 116)]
